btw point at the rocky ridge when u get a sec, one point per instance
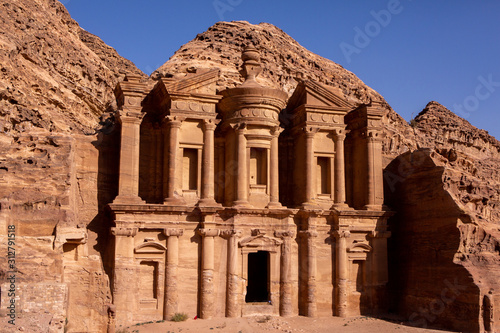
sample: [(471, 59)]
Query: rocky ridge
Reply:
[(54, 75)]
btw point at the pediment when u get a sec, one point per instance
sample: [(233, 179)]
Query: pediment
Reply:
[(360, 248), (202, 83), (315, 94), (260, 241), (150, 247)]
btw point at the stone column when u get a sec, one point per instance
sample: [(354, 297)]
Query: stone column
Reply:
[(379, 273), (340, 195), (128, 183), (342, 271), (374, 193), (286, 308), (370, 192), (171, 298), (170, 168), (207, 308), (309, 236), (233, 294), (274, 169), (208, 164), (310, 165), (242, 179), (124, 296)]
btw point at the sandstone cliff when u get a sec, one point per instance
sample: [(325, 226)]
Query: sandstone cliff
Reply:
[(446, 229), (56, 81)]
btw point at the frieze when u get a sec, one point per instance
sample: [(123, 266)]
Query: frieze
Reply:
[(193, 106)]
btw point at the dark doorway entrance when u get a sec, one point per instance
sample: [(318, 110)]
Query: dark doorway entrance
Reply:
[(258, 277)]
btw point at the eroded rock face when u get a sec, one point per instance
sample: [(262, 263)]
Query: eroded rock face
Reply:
[(447, 198), (54, 75), (56, 80)]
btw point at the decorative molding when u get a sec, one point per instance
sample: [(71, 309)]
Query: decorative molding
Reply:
[(127, 232), (173, 232)]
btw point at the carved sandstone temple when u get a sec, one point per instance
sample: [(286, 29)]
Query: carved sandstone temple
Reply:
[(238, 203)]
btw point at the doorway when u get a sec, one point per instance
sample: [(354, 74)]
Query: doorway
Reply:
[(258, 277)]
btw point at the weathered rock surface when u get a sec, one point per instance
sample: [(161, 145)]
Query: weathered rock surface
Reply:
[(56, 80), (54, 75), (447, 198)]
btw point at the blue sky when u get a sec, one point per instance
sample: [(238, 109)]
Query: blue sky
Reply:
[(410, 51)]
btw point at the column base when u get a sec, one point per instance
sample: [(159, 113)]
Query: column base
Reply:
[(128, 200), (242, 204), (373, 207), (174, 201), (341, 206), (272, 205), (208, 203), (310, 205)]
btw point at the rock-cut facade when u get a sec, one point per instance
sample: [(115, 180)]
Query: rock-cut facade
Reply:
[(245, 201)]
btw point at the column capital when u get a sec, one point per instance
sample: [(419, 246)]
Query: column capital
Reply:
[(239, 127), (173, 232), (130, 117), (339, 134), (341, 233), (379, 234), (310, 131), (127, 232), (308, 233), (210, 124), (284, 234), (230, 233), (372, 135), (276, 131), (174, 121), (208, 232)]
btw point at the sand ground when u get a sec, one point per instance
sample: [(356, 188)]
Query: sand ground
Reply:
[(276, 324)]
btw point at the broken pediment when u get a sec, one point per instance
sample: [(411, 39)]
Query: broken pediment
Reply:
[(199, 83), (314, 94), (260, 241), (192, 93)]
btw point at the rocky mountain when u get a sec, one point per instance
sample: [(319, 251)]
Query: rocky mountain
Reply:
[(54, 75)]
